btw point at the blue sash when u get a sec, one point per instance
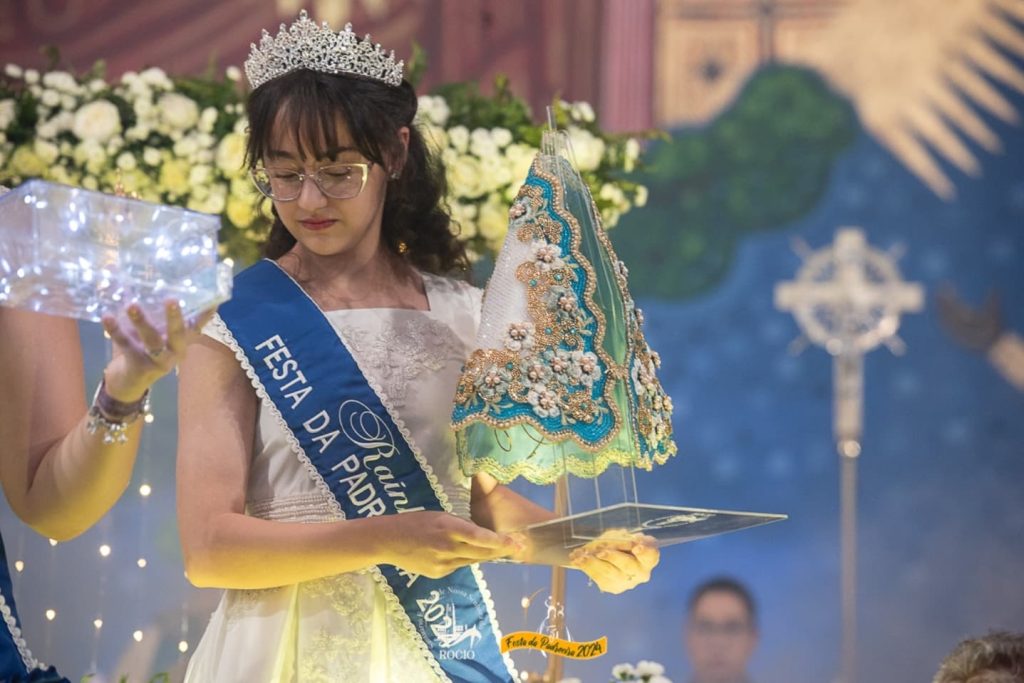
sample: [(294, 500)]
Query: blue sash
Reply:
[(12, 663), (351, 439)]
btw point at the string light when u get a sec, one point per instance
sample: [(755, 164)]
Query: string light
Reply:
[(105, 550), (183, 647), (145, 490), (53, 543), (137, 636), (98, 623), (149, 418), (19, 566), (51, 614), (141, 563)]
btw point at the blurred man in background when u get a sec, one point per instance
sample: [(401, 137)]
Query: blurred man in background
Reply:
[(720, 631)]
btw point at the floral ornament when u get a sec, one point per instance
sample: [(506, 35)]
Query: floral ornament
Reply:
[(492, 384), (520, 336), (535, 371), (585, 367), (562, 301), (544, 400), (547, 256), (560, 362)]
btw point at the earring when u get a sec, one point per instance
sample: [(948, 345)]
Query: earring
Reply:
[(395, 175)]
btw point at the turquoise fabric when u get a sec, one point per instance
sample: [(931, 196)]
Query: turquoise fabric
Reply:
[(574, 388)]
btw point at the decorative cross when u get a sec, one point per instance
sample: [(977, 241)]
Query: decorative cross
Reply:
[(848, 298)]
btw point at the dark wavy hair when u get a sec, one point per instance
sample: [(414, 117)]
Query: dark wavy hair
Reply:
[(415, 223)]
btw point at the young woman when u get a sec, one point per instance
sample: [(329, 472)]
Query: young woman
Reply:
[(63, 466), (317, 476)]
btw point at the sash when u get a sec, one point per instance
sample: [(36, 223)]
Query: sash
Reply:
[(298, 362), (15, 659)]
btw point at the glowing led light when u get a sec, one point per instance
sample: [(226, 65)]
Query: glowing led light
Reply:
[(145, 490), (105, 550), (183, 647), (19, 566), (137, 636), (525, 602), (149, 418), (51, 614), (53, 542), (141, 563), (98, 623)]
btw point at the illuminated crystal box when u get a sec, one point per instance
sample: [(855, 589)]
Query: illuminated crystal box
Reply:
[(82, 254)]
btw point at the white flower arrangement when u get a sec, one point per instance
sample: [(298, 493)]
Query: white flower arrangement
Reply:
[(173, 141), (182, 142), (488, 143), (645, 671)]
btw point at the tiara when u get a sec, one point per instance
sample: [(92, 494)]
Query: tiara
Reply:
[(307, 45)]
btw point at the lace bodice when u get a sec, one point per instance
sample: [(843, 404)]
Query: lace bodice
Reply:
[(413, 358)]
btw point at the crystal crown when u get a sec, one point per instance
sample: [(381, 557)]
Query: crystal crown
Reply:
[(308, 45)]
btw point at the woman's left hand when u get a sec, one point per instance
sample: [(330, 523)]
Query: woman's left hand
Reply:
[(617, 562), (142, 354)]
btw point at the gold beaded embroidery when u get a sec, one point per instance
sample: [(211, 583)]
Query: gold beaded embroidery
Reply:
[(535, 368)]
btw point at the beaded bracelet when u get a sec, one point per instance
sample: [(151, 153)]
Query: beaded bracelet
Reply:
[(112, 416)]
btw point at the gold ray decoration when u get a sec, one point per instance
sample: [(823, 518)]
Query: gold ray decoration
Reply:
[(918, 73)]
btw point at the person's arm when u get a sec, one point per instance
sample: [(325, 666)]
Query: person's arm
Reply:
[(615, 562), (58, 477), (224, 547)]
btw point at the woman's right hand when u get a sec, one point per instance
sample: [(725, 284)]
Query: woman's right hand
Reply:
[(144, 355), (435, 544)]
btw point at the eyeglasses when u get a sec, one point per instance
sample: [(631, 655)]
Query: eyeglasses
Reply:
[(337, 181), (729, 629)]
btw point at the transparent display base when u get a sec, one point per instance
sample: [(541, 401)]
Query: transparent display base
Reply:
[(665, 524), (81, 254)]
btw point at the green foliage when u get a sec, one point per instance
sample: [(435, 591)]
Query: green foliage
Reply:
[(416, 65), (764, 163), (471, 108)]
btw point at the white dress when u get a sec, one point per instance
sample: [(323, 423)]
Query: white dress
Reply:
[(344, 627)]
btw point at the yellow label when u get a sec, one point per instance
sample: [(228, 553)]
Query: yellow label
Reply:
[(556, 646)]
